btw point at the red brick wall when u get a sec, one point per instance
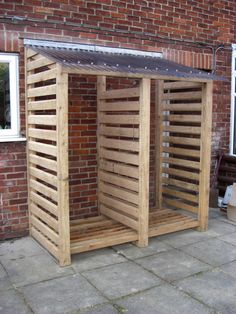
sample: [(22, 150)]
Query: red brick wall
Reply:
[(146, 25)]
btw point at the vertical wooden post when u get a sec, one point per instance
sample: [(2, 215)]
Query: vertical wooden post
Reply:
[(101, 87), (144, 149), (205, 155), (159, 84), (62, 167)]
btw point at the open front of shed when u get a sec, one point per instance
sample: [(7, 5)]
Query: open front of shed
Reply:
[(182, 100)]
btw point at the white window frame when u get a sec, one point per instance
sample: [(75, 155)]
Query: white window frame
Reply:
[(12, 134), (233, 101)]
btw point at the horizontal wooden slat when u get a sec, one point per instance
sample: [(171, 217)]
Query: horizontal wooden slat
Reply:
[(119, 217), (120, 144), (120, 93), (181, 85), (179, 194), (47, 163), (182, 95), (121, 193), (182, 118), (48, 232), (47, 191), (49, 104), (42, 91), (181, 184), (119, 132), (115, 167), (44, 176), (181, 140), (52, 222), (41, 201), (182, 129), (181, 162), (119, 119), (181, 151), (43, 148), (41, 62), (42, 76), (42, 119), (121, 181), (119, 106), (122, 206), (30, 53), (181, 173), (132, 159), (181, 205), (44, 241), (227, 169), (42, 134), (183, 107)]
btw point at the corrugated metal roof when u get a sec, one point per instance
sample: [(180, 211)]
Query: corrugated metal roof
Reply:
[(125, 63)]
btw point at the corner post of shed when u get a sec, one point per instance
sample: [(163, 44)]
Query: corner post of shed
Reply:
[(205, 156), (62, 166), (144, 148)]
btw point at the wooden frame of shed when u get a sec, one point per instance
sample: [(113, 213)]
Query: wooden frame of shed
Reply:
[(183, 146)]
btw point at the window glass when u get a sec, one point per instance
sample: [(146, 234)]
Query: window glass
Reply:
[(5, 110)]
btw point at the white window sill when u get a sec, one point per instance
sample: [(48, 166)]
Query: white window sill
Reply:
[(12, 139)]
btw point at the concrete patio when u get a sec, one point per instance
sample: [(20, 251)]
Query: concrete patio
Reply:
[(185, 272)]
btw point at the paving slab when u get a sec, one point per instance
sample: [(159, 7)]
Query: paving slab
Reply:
[(172, 265), (164, 299), (20, 248), (216, 213), (12, 303), (118, 280), (229, 238), (214, 251), (230, 269), (62, 295), (95, 259), (101, 309), (34, 269), (5, 283), (214, 288), (132, 251), (218, 228)]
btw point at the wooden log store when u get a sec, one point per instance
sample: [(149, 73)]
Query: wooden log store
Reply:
[(183, 107)]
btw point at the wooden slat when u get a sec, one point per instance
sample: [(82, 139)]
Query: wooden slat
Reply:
[(42, 62), (42, 134), (182, 129), (121, 181), (120, 144), (47, 191), (126, 208), (119, 217), (43, 148), (42, 76), (120, 93), (181, 85), (52, 222), (181, 151), (119, 132), (121, 193), (181, 205), (42, 91), (181, 173), (44, 242), (120, 106), (179, 194), (119, 119), (44, 176), (115, 167), (181, 184), (181, 162), (181, 140), (30, 53), (182, 118), (182, 95), (49, 104), (42, 119), (48, 232), (47, 163), (41, 201), (120, 156), (183, 107)]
